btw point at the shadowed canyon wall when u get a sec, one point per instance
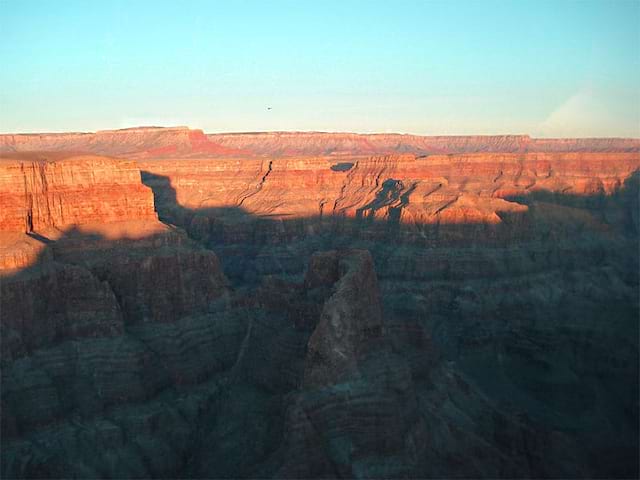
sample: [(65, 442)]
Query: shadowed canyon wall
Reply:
[(377, 315)]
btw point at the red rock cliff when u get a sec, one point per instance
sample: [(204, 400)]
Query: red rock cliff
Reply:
[(37, 193), (155, 142), (464, 188)]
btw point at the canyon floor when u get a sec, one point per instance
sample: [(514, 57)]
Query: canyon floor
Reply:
[(310, 305)]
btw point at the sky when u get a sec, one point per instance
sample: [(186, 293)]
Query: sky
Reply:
[(546, 68)]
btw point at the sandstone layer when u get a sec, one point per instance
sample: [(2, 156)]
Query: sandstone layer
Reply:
[(307, 308), (430, 197), (38, 194), (157, 142)]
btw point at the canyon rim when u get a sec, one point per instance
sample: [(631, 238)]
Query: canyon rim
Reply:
[(301, 305), (346, 239)]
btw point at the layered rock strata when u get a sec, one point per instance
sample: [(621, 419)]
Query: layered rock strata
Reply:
[(520, 268), (435, 197), (103, 324), (376, 316), (159, 142), (38, 193)]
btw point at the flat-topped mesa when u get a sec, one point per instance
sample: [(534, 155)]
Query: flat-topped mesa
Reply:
[(159, 142), (137, 140), (156, 142), (105, 142), (130, 142), (584, 145), (319, 143), (43, 191)]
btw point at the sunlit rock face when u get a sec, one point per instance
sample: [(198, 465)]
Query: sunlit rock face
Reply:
[(180, 141), (38, 193), (104, 317), (437, 198), (318, 305), (147, 141)]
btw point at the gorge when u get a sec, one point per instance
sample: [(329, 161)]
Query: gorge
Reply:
[(312, 305)]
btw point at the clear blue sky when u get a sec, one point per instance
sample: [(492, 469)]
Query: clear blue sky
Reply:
[(548, 68)]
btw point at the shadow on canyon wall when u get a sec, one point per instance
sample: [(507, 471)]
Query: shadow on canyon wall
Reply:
[(520, 341), (560, 222)]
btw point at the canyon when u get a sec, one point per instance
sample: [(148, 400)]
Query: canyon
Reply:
[(176, 304)]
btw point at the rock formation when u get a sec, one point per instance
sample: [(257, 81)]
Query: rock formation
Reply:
[(431, 194), (183, 142), (318, 305), (39, 194), (350, 319)]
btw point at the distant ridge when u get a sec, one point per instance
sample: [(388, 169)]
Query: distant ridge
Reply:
[(182, 141)]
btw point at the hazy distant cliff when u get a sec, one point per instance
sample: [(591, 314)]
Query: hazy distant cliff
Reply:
[(182, 141)]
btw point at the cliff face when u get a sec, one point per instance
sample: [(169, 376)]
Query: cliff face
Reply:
[(143, 142), (38, 194), (316, 143), (375, 316), (181, 141), (350, 318), (83, 253), (472, 190), (484, 258), (99, 303)]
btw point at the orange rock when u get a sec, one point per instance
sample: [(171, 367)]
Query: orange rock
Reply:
[(464, 188), (144, 142), (37, 193)]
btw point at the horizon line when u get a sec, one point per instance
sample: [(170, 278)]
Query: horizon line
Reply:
[(322, 132)]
